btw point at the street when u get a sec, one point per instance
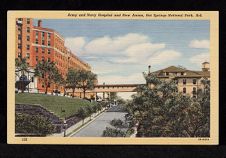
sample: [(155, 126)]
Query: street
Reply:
[(96, 128)]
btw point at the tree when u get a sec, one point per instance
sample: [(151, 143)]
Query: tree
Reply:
[(33, 124), (160, 111), (112, 132), (22, 66), (73, 79), (81, 113), (48, 72), (89, 111), (86, 80), (59, 81)]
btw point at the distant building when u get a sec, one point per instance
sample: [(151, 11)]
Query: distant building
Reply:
[(37, 43), (188, 81)]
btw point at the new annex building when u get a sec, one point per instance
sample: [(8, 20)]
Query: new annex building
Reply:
[(36, 43), (188, 81)]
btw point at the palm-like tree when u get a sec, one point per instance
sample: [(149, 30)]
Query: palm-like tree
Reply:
[(22, 66)]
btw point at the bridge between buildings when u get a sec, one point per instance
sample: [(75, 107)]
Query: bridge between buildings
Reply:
[(108, 88)]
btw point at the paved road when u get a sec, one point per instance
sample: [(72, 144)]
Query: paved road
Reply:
[(96, 128)]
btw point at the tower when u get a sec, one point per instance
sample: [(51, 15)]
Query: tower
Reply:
[(205, 66)]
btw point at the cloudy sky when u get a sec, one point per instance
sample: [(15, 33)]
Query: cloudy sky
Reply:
[(120, 50)]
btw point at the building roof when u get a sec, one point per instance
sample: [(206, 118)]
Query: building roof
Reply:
[(187, 73)]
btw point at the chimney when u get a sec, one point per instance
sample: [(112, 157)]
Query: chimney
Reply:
[(39, 23)]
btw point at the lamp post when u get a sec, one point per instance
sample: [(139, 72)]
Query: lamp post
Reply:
[(65, 122)]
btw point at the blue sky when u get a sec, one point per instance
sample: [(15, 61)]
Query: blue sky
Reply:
[(120, 50)]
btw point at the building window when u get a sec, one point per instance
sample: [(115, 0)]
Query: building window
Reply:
[(194, 90), (43, 42), (48, 43), (19, 37), (32, 79), (36, 41), (43, 50), (43, 35), (167, 73), (36, 34), (49, 35), (28, 21), (43, 59), (194, 81), (28, 47), (28, 29), (49, 51), (28, 55), (19, 28), (194, 96), (182, 73), (43, 84), (184, 90), (36, 58), (49, 60), (28, 38), (184, 81), (19, 46), (36, 49)]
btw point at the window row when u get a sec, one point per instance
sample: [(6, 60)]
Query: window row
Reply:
[(194, 91), (43, 50)]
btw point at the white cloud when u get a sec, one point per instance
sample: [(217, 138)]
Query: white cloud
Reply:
[(199, 44), (200, 58), (75, 44), (135, 78), (113, 45), (164, 56)]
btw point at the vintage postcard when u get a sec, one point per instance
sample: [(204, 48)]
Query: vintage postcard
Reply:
[(113, 77)]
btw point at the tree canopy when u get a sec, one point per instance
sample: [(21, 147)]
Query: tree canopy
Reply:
[(160, 111)]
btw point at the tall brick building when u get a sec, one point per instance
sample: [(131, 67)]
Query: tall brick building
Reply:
[(37, 43)]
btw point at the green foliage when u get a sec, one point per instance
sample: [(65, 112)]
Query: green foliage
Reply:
[(81, 113), (54, 103), (21, 65), (111, 132), (89, 110), (117, 123), (33, 124), (73, 79), (81, 79), (160, 112), (86, 80), (48, 71)]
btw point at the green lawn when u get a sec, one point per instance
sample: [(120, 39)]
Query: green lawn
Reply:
[(53, 103)]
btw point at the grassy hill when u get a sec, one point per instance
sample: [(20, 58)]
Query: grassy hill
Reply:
[(53, 103)]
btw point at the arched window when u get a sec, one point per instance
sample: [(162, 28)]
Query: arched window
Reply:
[(194, 81), (184, 81), (184, 90)]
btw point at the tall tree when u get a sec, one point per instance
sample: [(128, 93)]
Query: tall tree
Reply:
[(73, 79), (47, 71), (86, 80), (59, 80)]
